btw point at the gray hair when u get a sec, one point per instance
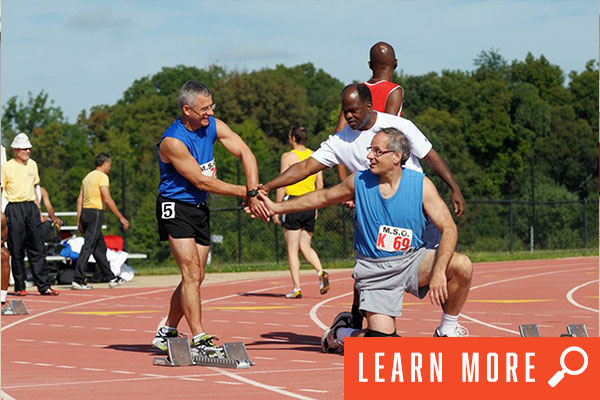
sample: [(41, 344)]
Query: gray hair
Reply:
[(397, 142), (190, 90)]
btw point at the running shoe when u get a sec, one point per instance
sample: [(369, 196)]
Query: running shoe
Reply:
[(80, 286), (459, 331), (50, 292), (7, 309), (163, 333), (323, 282), (294, 294), (329, 341), (20, 293), (204, 346), (117, 281)]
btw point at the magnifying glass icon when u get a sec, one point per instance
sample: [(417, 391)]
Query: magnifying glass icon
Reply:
[(564, 370)]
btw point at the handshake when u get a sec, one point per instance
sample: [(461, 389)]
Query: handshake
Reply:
[(258, 205)]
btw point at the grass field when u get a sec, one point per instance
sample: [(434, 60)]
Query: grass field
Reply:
[(169, 267)]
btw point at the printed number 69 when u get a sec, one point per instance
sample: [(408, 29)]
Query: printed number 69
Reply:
[(401, 244)]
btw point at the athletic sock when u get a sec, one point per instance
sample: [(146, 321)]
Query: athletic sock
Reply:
[(3, 295), (448, 324), (357, 317), (344, 333), (198, 336)]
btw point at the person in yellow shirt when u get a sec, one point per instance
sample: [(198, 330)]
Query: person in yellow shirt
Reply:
[(298, 227), (94, 193), (23, 218)]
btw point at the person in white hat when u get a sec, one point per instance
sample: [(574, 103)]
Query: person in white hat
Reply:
[(19, 176)]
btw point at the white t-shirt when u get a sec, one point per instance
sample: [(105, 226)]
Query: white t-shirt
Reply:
[(349, 147)]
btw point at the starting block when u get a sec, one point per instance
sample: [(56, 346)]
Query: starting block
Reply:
[(576, 330), (15, 307), (530, 330), (234, 355)]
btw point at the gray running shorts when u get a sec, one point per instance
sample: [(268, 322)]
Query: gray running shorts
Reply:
[(382, 282)]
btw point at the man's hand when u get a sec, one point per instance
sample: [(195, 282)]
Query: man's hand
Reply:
[(258, 208), (268, 204), (458, 202), (349, 204), (438, 290), (57, 222), (79, 227), (276, 219), (124, 222)]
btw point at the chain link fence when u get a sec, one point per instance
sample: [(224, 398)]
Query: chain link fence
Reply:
[(487, 225)]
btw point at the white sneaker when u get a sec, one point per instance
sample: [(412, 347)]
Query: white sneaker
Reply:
[(118, 281), (459, 331), (79, 286)]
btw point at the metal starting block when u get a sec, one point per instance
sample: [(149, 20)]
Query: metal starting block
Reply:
[(530, 330), (576, 330), (234, 356), (15, 307)]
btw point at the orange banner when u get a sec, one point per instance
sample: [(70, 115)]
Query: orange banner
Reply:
[(471, 368)]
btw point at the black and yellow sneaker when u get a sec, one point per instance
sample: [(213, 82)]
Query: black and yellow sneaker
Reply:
[(163, 333), (294, 294), (323, 282), (204, 346)]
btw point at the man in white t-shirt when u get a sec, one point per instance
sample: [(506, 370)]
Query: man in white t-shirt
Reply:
[(350, 148)]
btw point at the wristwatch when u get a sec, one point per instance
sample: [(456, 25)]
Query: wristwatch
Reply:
[(252, 193)]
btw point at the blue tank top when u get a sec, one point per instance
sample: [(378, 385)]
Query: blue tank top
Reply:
[(200, 144), (388, 227)]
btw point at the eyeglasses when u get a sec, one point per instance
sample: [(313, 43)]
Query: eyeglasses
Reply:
[(28, 149), (204, 110), (378, 152)]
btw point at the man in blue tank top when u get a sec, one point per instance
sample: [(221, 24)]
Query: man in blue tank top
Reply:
[(392, 203), (187, 174)]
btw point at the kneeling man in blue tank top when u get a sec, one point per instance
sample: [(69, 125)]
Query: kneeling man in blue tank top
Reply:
[(392, 205)]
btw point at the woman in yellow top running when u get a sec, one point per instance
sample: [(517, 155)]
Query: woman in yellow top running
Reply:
[(298, 227)]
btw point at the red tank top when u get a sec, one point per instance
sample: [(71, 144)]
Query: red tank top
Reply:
[(380, 92)]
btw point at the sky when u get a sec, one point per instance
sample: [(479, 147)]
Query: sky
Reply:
[(88, 52)]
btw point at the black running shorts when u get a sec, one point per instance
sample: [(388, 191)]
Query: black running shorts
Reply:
[(182, 220), (299, 220)]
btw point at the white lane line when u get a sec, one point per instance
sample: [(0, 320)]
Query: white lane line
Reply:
[(241, 337), (265, 358), (304, 361), (229, 383), (313, 390), (246, 322), (272, 324), (43, 365), (5, 396), (66, 366), (21, 362), (156, 377), (85, 303), (93, 369), (313, 311), (24, 340), (488, 325), (572, 300), (123, 372), (261, 385)]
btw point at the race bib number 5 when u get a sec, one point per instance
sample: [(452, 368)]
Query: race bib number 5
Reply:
[(391, 238), (168, 210)]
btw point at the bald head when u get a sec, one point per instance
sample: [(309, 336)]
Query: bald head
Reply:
[(382, 55)]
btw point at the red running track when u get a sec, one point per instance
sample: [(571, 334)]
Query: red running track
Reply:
[(97, 345)]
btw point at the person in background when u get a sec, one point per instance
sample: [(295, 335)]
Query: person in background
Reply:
[(93, 195), (298, 227), (23, 218)]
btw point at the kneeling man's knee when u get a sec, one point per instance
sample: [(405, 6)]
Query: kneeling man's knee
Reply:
[(462, 266)]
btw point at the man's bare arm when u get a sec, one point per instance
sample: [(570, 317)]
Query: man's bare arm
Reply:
[(294, 174), (234, 144), (441, 169), (437, 210), (173, 151), (317, 199), (112, 206), (393, 104)]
